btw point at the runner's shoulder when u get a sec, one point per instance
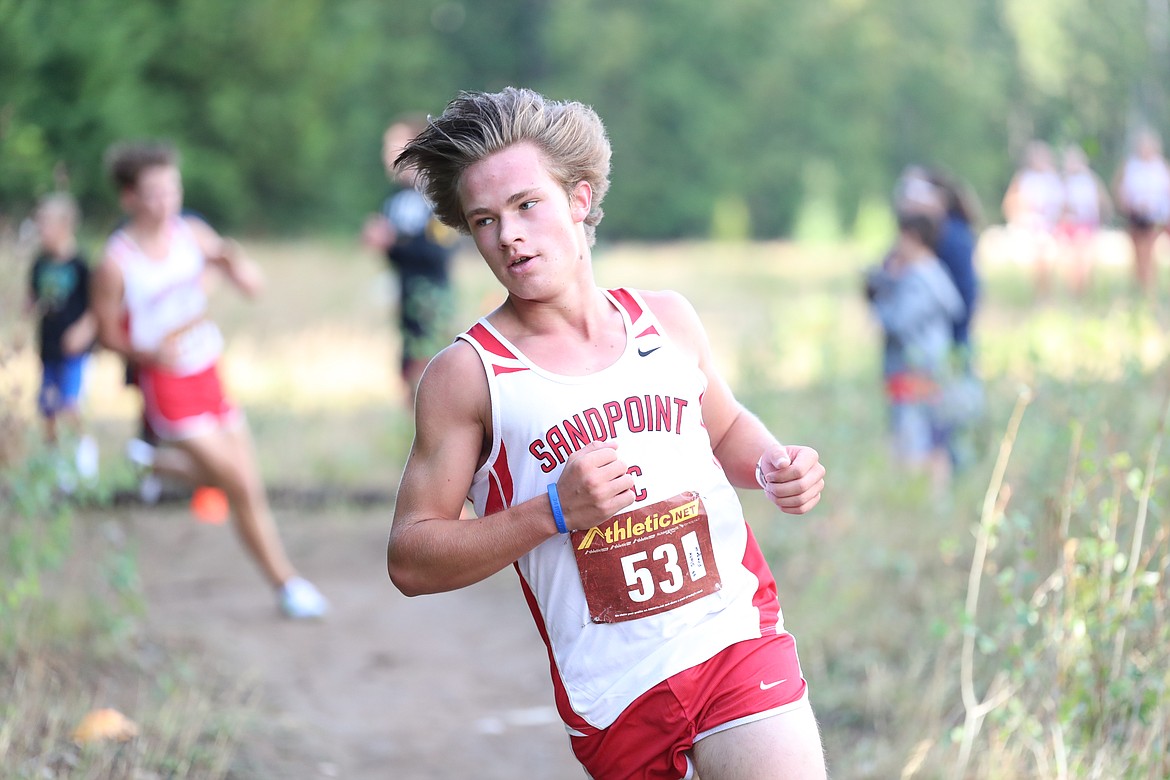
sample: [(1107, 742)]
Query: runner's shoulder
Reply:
[(454, 383), (674, 311)]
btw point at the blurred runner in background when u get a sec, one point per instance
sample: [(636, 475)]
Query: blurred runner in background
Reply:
[(151, 308)]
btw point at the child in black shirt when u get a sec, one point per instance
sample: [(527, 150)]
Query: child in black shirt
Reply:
[(66, 330)]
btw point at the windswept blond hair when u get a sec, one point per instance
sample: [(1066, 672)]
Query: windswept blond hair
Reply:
[(475, 125)]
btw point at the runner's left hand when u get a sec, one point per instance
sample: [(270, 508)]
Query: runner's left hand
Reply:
[(793, 477)]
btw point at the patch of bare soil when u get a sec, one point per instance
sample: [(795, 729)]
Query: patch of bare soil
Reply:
[(453, 685)]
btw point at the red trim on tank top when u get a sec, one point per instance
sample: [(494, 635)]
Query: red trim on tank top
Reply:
[(501, 490), (560, 695), (627, 301), (765, 598), (495, 500), (485, 339)]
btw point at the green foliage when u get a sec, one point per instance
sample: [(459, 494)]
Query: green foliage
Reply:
[(36, 528), (873, 581), (1084, 76), (875, 228), (1080, 634), (818, 222), (279, 106), (260, 97), (55, 643), (731, 220)]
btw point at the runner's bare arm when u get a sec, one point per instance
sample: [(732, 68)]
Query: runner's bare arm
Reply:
[(430, 548), (80, 336), (738, 438), (228, 255), (1011, 206), (106, 289)]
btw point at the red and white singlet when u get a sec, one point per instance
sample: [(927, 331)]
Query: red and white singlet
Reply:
[(165, 299), (1082, 199), (1041, 195), (665, 584)]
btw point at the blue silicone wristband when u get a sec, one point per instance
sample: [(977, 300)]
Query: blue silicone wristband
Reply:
[(558, 516)]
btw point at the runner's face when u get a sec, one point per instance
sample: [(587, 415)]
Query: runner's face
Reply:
[(527, 229), (159, 194), (56, 230)]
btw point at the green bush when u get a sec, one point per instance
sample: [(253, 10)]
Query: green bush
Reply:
[(58, 640), (1073, 654)]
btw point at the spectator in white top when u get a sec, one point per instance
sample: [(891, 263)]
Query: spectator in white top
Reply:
[(1032, 206), (1142, 188), (1086, 205)]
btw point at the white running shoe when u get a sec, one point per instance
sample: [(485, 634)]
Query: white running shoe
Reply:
[(150, 488), (140, 452), (300, 600), (86, 459)]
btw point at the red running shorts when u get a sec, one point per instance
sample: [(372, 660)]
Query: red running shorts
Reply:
[(747, 681), (184, 407)]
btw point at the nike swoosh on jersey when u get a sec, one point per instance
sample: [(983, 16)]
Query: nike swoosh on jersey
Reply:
[(647, 352), (765, 686)]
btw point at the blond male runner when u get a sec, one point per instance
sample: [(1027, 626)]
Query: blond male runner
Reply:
[(600, 448)]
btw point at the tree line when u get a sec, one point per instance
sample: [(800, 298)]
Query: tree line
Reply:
[(736, 113)]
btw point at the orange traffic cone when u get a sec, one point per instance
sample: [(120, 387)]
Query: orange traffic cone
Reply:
[(209, 505)]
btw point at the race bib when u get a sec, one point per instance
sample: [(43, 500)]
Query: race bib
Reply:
[(647, 561), (195, 347)]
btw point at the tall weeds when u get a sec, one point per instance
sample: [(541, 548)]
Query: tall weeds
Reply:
[(1074, 653), (70, 641)]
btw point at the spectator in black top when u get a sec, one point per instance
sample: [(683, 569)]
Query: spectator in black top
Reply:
[(419, 249), (66, 330)]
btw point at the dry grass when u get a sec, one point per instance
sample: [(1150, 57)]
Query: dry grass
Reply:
[(874, 582)]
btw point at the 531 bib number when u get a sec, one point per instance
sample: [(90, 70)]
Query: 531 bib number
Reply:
[(650, 560)]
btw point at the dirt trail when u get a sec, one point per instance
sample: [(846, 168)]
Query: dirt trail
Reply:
[(447, 686)]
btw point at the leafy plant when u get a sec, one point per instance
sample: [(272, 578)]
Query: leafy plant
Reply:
[(1077, 649)]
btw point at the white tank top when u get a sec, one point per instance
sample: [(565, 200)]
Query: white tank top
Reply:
[(165, 299), (1042, 194), (1145, 188), (1082, 199), (665, 584)]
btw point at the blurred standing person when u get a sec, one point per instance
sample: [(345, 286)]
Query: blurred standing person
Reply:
[(917, 304), (419, 249), (1032, 207), (59, 284), (954, 213), (955, 248), (963, 404), (1142, 189), (1086, 205), (151, 308)]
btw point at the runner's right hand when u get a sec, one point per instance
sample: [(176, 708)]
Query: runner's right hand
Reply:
[(594, 486), (166, 356)]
